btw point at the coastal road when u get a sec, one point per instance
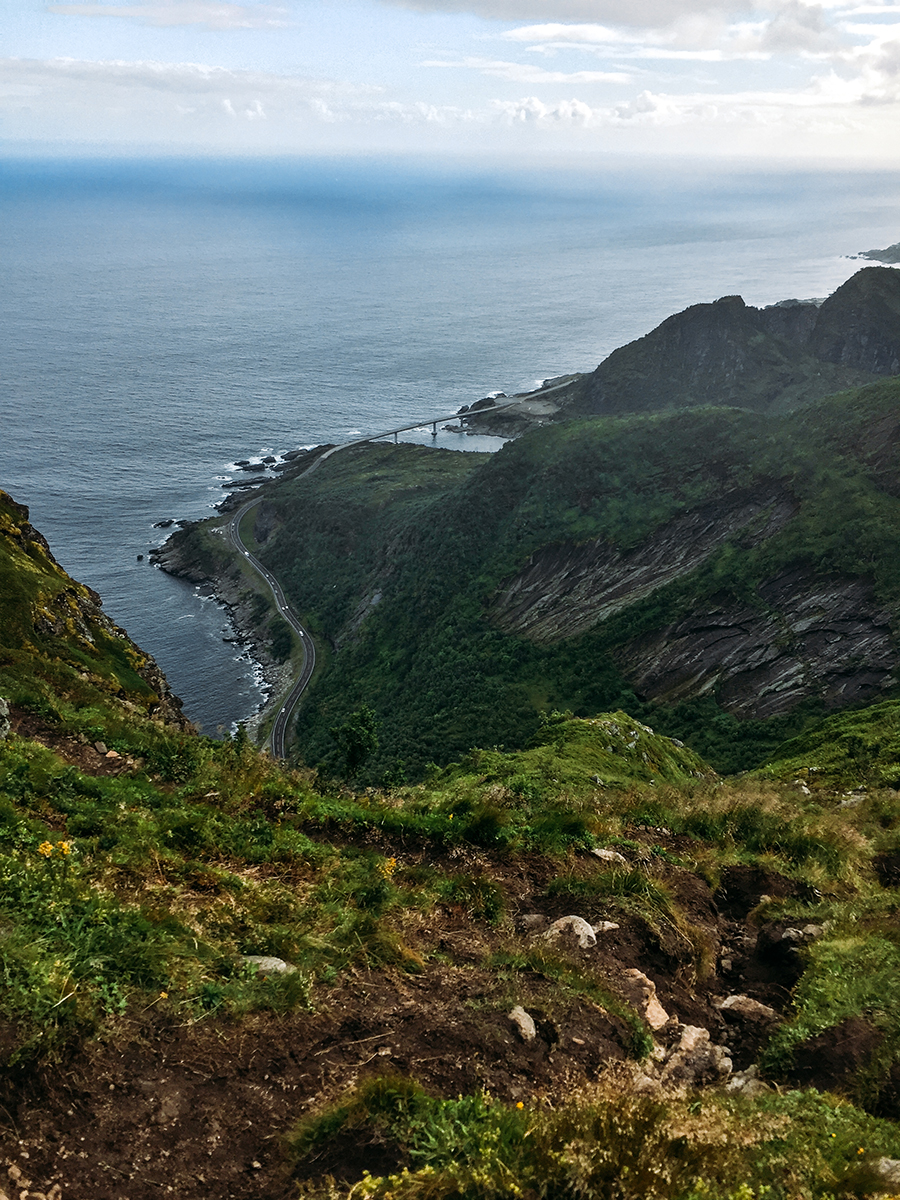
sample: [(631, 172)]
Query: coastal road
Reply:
[(278, 735), (279, 729)]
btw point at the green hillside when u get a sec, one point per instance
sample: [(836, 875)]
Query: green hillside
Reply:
[(228, 977), (442, 585)]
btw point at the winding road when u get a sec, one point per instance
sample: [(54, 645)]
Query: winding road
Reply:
[(278, 735)]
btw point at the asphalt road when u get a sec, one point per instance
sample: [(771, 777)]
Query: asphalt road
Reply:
[(279, 729)]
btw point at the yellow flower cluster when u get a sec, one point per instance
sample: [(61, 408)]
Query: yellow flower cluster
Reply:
[(388, 867), (47, 849)]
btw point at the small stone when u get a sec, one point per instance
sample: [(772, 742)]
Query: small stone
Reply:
[(100, 747), (268, 965), (610, 856), (747, 1083), (573, 929), (813, 931), (257, 1166), (641, 992), (113, 754), (14, 1172), (533, 922), (696, 1060), (750, 1009), (792, 935), (888, 1169), (726, 964), (605, 927), (523, 1023)]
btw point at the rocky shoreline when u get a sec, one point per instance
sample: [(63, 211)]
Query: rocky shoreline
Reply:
[(237, 601)]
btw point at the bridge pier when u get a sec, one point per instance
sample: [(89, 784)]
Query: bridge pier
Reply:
[(395, 439), (434, 428)]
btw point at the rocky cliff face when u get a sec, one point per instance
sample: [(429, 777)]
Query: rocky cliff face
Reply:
[(566, 589), (730, 353), (68, 622), (859, 326), (805, 636)]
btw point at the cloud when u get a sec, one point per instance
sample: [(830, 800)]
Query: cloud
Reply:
[(527, 73), (800, 28), (206, 13), (192, 103), (632, 13)]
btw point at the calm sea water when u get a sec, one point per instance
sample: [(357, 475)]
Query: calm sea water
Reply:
[(161, 319)]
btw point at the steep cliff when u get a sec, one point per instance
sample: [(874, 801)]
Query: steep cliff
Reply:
[(54, 635), (728, 352)]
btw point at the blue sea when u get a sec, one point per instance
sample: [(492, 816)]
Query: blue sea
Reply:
[(162, 319)]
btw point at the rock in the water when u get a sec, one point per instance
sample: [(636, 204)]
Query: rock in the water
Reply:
[(572, 929), (610, 856), (267, 965), (641, 993), (523, 1023)]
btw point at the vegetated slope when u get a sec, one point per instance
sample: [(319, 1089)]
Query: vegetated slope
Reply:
[(724, 575), (731, 353), (411, 1010), (56, 641)]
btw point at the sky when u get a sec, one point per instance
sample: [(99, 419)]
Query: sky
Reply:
[(753, 79)]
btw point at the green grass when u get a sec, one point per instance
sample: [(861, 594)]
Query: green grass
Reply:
[(600, 1146)]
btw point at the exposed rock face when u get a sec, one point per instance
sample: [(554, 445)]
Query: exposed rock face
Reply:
[(730, 353), (566, 589), (815, 637), (859, 325)]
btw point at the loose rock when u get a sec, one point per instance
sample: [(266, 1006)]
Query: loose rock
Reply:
[(696, 1060), (610, 856), (523, 1023), (267, 965), (750, 1009), (572, 929), (640, 992), (889, 1170)]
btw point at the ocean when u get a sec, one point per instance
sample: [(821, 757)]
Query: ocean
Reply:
[(162, 319)]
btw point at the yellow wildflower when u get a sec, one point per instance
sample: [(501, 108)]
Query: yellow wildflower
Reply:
[(519, 1104), (64, 848), (46, 849)]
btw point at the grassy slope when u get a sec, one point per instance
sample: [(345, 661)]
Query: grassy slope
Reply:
[(127, 898), (435, 547)]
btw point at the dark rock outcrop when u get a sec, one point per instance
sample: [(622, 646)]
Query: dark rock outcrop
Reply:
[(567, 588), (859, 325), (730, 353), (811, 636)]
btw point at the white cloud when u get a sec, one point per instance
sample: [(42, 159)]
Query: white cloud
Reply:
[(205, 13), (526, 73), (562, 34), (633, 13), (531, 111)]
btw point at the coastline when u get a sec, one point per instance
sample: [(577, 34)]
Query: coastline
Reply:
[(224, 587)]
